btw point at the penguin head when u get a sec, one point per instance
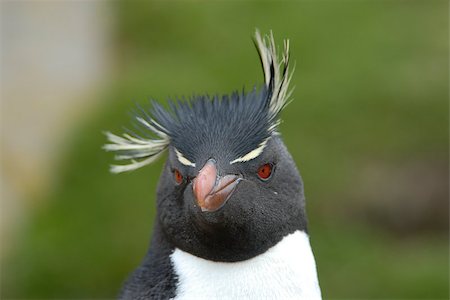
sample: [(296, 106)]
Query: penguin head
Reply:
[(229, 189), (225, 212)]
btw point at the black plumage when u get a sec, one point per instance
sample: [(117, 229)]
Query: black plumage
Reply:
[(203, 123), (233, 136)]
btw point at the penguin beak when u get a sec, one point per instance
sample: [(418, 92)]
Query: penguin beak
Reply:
[(211, 191)]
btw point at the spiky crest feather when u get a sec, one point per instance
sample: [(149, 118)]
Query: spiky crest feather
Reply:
[(141, 151)]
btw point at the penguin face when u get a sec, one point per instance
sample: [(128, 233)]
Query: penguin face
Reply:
[(253, 204)]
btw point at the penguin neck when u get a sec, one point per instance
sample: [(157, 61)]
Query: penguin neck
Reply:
[(228, 243), (159, 245), (288, 268)]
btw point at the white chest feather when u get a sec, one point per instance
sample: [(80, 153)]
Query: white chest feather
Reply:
[(285, 271)]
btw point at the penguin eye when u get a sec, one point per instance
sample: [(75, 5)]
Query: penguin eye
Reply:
[(265, 171), (178, 177)]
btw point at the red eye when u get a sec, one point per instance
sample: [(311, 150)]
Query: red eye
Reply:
[(265, 171), (178, 176)]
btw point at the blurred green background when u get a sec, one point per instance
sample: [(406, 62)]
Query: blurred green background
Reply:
[(368, 128)]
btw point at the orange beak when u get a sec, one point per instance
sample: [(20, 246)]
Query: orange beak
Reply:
[(211, 191)]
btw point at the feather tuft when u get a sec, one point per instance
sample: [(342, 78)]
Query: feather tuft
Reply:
[(137, 150), (277, 75), (234, 125)]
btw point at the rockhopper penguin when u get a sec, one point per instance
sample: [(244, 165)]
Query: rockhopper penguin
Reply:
[(231, 221)]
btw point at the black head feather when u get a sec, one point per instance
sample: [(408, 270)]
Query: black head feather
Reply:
[(235, 124)]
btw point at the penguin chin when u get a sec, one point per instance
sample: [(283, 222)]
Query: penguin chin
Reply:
[(234, 213), (210, 220)]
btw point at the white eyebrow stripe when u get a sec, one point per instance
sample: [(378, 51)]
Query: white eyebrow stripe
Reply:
[(252, 154), (183, 159)]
